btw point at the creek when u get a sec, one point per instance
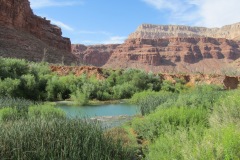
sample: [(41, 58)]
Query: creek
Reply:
[(109, 114)]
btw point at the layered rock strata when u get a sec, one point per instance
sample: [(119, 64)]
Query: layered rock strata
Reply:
[(27, 36), (149, 31), (17, 14), (175, 54), (96, 55)]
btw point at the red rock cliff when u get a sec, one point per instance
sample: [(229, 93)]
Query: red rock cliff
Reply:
[(201, 54), (96, 55), (18, 14)]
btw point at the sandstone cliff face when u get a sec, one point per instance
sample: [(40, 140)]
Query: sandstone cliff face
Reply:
[(149, 31), (17, 14), (96, 55), (175, 54)]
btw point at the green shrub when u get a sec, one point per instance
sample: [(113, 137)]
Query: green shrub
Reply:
[(45, 112), (176, 144), (9, 87), (17, 103), (219, 143), (227, 110), (79, 98), (8, 114), (125, 90), (13, 68), (169, 119), (148, 101)]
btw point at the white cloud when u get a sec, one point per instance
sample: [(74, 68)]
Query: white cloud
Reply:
[(210, 13), (61, 25), (94, 32), (110, 40), (115, 40), (35, 4), (215, 13)]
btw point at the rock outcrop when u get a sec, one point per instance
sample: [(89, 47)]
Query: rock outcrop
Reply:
[(201, 54), (18, 14), (27, 36), (78, 71), (96, 55), (149, 31)]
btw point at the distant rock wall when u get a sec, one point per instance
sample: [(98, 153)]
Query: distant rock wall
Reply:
[(149, 31), (170, 53), (96, 55), (18, 14)]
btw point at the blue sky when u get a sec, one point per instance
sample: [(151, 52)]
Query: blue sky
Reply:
[(111, 21)]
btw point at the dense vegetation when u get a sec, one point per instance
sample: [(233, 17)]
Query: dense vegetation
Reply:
[(44, 132), (201, 123), (177, 121), (35, 81)]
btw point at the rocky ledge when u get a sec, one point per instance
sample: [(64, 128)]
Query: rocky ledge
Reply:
[(150, 31), (17, 14)]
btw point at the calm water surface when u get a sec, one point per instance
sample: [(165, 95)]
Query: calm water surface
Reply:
[(100, 110)]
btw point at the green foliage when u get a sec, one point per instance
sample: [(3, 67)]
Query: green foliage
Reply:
[(45, 112), (19, 78), (17, 103), (12, 68), (8, 114), (79, 98), (9, 87), (169, 119), (202, 123), (148, 101), (125, 90), (58, 139)]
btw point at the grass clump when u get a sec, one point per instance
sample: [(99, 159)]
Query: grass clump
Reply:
[(45, 112), (58, 139), (169, 119), (8, 114), (202, 123)]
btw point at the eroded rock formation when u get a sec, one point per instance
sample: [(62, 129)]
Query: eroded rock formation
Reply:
[(149, 31), (18, 14), (78, 71), (27, 36), (175, 54), (96, 55)]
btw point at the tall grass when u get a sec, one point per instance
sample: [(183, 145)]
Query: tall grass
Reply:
[(18, 103), (201, 124), (148, 101), (201, 96), (58, 139), (43, 132), (169, 119)]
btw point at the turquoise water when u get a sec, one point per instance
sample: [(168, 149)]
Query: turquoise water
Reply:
[(121, 109)]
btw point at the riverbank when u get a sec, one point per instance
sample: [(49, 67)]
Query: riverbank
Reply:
[(90, 103)]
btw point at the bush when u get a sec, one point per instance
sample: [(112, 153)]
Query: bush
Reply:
[(79, 98), (9, 87), (125, 90), (176, 144), (8, 114), (17, 103), (45, 112), (13, 68), (169, 119), (148, 101)]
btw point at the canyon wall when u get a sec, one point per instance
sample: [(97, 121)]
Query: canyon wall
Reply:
[(27, 36), (96, 55), (166, 55), (18, 14), (149, 31)]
